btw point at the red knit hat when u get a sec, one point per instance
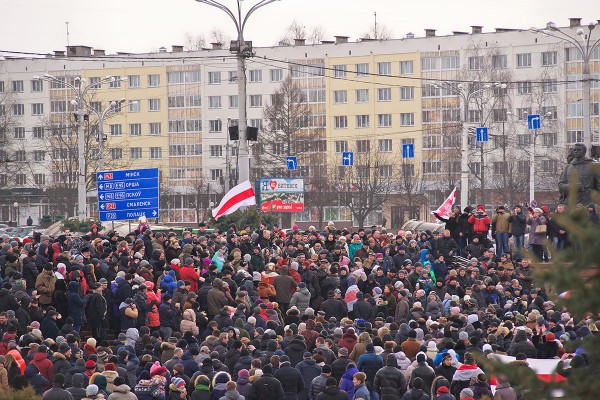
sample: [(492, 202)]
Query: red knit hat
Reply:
[(480, 208), (90, 364), (441, 390)]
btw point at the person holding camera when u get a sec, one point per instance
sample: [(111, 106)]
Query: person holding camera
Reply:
[(481, 224)]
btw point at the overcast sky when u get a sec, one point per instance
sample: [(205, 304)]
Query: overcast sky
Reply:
[(145, 25)]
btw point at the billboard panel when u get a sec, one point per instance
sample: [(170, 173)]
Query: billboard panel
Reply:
[(281, 194)]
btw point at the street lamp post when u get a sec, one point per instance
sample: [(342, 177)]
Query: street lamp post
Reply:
[(239, 19), (79, 102), (102, 115), (17, 212), (586, 47), (466, 94)]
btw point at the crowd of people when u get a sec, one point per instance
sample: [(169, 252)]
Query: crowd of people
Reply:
[(256, 314)]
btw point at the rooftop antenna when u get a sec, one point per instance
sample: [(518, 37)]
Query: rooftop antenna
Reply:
[(375, 30), (67, 23)]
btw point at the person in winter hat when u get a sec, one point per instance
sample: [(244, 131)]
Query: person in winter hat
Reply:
[(177, 389), (122, 391)]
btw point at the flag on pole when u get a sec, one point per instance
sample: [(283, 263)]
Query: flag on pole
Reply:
[(446, 208), (239, 196)]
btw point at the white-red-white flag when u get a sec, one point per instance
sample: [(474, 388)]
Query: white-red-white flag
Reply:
[(239, 196), (446, 208)]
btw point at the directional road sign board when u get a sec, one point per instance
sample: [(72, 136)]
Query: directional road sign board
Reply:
[(408, 150), (347, 158), (481, 134), (128, 194), (292, 163), (533, 121)]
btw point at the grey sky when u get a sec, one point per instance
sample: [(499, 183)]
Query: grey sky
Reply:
[(146, 25)]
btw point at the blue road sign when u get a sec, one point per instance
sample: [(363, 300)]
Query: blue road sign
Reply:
[(347, 158), (292, 163), (533, 121), (128, 194), (481, 134), (408, 151)]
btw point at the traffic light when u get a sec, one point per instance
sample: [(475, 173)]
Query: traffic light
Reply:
[(234, 133), (252, 133)]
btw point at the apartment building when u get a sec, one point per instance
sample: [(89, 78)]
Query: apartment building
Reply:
[(362, 96)]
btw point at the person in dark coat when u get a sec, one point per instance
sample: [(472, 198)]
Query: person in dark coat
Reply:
[(338, 367), (334, 307), (290, 378), (309, 370), (77, 390), (522, 345), (370, 363), (61, 364), (363, 309), (36, 380), (266, 387), (76, 305), (332, 391), (295, 350), (417, 392), (389, 380), (423, 371)]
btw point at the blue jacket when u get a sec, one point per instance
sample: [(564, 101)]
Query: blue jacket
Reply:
[(169, 283), (370, 363), (189, 364), (361, 392), (76, 303), (309, 370), (346, 384)]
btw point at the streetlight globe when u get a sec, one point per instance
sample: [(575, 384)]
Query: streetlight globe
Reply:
[(551, 26), (460, 86), (73, 102), (503, 86), (580, 32), (16, 204)]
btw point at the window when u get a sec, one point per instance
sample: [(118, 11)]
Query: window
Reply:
[(94, 82), (429, 116), (406, 67), (595, 108), (429, 63), (341, 146), (522, 113), (474, 115), (134, 106), (574, 136), (340, 96), (550, 166), (135, 129), (19, 132), (384, 68), (155, 128), (524, 60), (233, 101), (278, 149), (135, 153), (407, 119), (575, 109), (255, 122), (255, 100), (94, 105), (37, 109), (362, 121), (476, 62), (384, 120), (38, 132), (232, 76), (20, 155), (340, 122), (385, 171), (214, 78), (432, 167), (214, 101), (549, 58), (524, 139), (116, 153), (177, 77), (21, 179), (362, 69), (384, 94), (500, 167), (176, 101), (155, 153), (216, 150), (176, 150), (499, 114), (133, 81), (37, 85), (193, 125), (574, 82), (17, 86), (154, 80), (276, 75), (194, 100), (550, 85), (524, 87), (60, 154), (316, 95), (431, 142), (523, 167), (430, 91), (339, 71), (362, 95), (255, 75), (573, 54), (115, 130), (1, 86), (216, 174), (363, 146), (500, 61), (18, 109), (215, 125), (407, 93), (39, 179), (385, 145), (553, 110), (153, 104), (549, 139), (451, 62), (112, 84), (2, 110), (407, 169), (475, 168)]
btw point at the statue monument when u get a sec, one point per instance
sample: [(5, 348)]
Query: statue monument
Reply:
[(584, 171)]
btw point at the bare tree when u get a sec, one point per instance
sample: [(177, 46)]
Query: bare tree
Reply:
[(219, 36), (368, 185), (13, 157), (297, 30), (195, 42)]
